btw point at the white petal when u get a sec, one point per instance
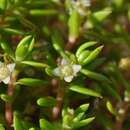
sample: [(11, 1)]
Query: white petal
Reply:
[(56, 72), (86, 3), (68, 78), (76, 69), (11, 67), (64, 62), (6, 80)]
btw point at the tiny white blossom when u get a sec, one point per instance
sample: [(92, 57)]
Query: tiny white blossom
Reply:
[(5, 72), (81, 5), (121, 111), (66, 70), (84, 3)]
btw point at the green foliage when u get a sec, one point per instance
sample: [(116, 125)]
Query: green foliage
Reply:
[(2, 127), (73, 119), (46, 102), (84, 90), (24, 48), (31, 82), (110, 108), (18, 125), (74, 25), (64, 64), (45, 125)]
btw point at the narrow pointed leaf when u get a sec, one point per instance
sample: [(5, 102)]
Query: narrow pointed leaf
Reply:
[(24, 48), (31, 82), (6, 98), (85, 91), (101, 15), (49, 71), (82, 108), (17, 123), (34, 64), (93, 75), (74, 25), (83, 123), (92, 55), (83, 56), (46, 102), (111, 108), (7, 49), (78, 117), (85, 46), (45, 125), (10, 31), (41, 12)]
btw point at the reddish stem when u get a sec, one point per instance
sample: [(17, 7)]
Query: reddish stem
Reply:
[(8, 105), (57, 109)]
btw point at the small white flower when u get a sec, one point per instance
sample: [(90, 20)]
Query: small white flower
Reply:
[(81, 5), (5, 72), (121, 111), (66, 70), (84, 3)]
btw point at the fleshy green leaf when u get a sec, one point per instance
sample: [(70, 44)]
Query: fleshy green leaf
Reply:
[(40, 12), (92, 55), (7, 49), (85, 91), (78, 117), (111, 108), (74, 25), (82, 108), (85, 46), (10, 31), (99, 16), (94, 75), (45, 125), (3, 4), (6, 98), (34, 64), (82, 123), (31, 82), (17, 123), (102, 14), (49, 71), (118, 3), (32, 129), (2, 127), (24, 48), (46, 102), (83, 56)]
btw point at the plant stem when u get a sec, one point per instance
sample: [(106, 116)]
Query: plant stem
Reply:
[(8, 105), (121, 116), (71, 44), (60, 97), (60, 90)]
